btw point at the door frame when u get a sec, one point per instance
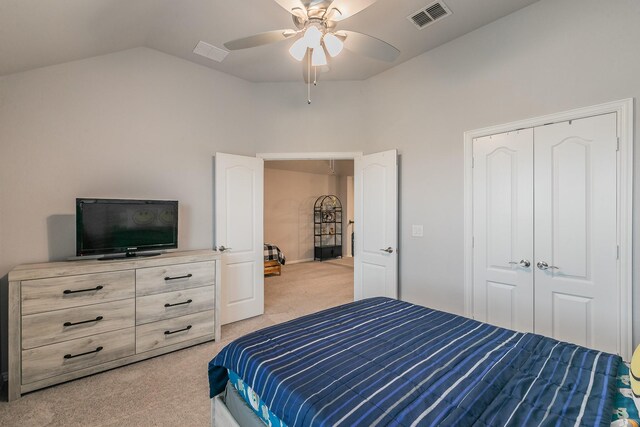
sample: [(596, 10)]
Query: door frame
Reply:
[(625, 121)]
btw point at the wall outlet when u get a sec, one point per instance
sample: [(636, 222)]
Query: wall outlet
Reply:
[(417, 231)]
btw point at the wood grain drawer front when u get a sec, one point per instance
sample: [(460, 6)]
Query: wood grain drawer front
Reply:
[(71, 323), (155, 280), (173, 331), (57, 293), (152, 308), (57, 359)]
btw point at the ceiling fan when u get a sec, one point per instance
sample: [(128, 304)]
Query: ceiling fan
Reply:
[(317, 36)]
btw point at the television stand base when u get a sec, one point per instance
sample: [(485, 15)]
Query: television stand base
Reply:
[(129, 255)]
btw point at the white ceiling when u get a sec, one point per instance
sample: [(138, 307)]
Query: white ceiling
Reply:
[(37, 33)]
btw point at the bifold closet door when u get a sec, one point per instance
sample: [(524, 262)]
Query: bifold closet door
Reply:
[(576, 296), (503, 230)]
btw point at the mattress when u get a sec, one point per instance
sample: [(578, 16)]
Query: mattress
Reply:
[(386, 362), (254, 412)]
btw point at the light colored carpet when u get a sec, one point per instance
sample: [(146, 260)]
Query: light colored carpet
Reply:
[(172, 390)]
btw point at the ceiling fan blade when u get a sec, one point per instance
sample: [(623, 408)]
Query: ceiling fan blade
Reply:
[(260, 39), (370, 46), (347, 8), (290, 5)]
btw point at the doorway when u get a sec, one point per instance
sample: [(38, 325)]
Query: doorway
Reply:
[(238, 230), (308, 229)]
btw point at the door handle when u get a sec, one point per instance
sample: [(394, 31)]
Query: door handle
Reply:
[(522, 263), (388, 250), (222, 248), (542, 265)]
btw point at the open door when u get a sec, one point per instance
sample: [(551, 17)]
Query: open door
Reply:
[(239, 187), (376, 225)]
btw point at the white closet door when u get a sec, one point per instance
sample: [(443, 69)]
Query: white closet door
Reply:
[(576, 298), (503, 230)]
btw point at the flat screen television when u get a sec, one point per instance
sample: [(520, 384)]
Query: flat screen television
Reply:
[(125, 227)]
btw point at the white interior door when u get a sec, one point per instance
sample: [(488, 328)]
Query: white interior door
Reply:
[(239, 188), (503, 230), (376, 225), (576, 297)]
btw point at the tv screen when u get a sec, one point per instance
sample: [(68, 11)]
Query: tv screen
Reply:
[(107, 226)]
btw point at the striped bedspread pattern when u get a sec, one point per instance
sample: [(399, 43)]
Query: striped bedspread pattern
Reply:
[(390, 363)]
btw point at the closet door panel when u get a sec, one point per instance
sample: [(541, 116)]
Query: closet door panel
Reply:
[(503, 229), (575, 232)]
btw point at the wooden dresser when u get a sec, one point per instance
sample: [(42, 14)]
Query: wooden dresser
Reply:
[(76, 318)]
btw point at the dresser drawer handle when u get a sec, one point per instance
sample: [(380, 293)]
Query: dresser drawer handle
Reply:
[(71, 356), (69, 291), (189, 301), (97, 319), (186, 276), (176, 331)]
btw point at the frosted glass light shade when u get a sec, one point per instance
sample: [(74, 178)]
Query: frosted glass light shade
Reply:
[(318, 57), (333, 44), (299, 49), (313, 36)]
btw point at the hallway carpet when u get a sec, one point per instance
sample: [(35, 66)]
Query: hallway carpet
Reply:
[(172, 390)]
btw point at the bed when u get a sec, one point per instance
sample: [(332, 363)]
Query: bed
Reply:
[(385, 362), (274, 259)]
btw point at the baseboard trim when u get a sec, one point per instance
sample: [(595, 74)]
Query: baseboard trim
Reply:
[(298, 261)]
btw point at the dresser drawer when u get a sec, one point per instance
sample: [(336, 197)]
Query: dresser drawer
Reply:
[(57, 359), (63, 325), (155, 280), (152, 308), (72, 291), (173, 331)]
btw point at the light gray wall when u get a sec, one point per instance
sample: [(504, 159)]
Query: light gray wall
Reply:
[(334, 121), (135, 124), (553, 56)]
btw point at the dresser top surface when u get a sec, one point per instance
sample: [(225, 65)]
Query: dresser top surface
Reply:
[(69, 268)]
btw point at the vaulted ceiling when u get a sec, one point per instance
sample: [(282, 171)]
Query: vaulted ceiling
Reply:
[(37, 33)]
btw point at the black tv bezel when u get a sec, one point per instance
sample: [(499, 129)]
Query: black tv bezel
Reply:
[(127, 251)]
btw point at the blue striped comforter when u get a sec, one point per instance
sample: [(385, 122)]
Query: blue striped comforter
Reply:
[(385, 362)]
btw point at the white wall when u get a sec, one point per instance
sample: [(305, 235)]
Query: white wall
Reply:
[(135, 124), (553, 56), (289, 198), (335, 121), (345, 194)]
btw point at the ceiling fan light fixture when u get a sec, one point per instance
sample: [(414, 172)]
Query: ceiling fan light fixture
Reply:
[(318, 57), (299, 49), (313, 36), (333, 44)]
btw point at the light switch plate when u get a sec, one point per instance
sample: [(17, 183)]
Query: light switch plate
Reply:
[(417, 231)]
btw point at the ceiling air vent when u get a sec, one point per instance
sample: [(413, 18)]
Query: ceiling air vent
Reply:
[(429, 14), (210, 51)]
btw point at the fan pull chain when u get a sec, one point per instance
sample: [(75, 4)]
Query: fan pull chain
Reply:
[(309, 79), (315, 76)]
